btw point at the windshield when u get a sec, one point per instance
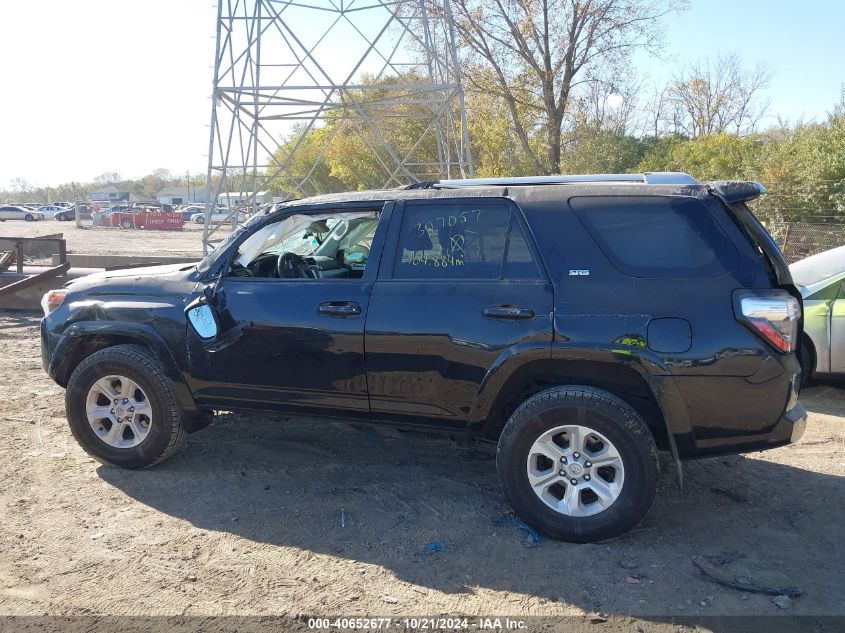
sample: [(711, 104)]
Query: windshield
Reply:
[(817, 268), (206, 261)]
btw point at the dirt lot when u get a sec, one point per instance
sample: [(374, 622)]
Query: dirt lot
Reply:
[(109, 241), (256, 516)]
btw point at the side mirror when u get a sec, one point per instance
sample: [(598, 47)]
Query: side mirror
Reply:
[(203, 319)]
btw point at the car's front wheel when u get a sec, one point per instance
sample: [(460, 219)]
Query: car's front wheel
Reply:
[(578, 464), (29, 217), (61, 217), (121, 408)]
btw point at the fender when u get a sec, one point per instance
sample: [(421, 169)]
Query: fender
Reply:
[(81, 331), (506, 365), (646, 364)]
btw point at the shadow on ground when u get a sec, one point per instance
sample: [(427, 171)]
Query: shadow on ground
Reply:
[(390, 499)]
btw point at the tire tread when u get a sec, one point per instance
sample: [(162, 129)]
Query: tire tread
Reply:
[(633, 422), (136, 355)]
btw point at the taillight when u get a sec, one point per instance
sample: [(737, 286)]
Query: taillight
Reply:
[(52, 300), (774, 315)]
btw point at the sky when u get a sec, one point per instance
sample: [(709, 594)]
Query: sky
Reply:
[(95, 86)]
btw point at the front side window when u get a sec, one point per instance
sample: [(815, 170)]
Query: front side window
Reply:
[(326, 246), (465, 240)]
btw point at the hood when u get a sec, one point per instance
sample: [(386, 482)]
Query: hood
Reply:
[(148, 280)]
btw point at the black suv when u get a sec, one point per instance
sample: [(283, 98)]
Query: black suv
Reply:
[(582, 323)]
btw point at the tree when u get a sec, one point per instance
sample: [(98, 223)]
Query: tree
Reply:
[(539, 55), (714, 157), (348, 152), (107, 178), (716, 97), (152, 183), (23, 189)]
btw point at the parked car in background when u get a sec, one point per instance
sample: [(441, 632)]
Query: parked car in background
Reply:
[(67, 205), (218, 216), (15, 212), (54, 212), (821, 280), (102, 216), (147, 217)]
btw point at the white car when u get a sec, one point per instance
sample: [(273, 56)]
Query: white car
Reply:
[(12, 212), (217, 217), (821, 280), (55, 212)]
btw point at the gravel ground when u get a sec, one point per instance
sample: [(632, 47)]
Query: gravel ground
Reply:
[(259, 516), (108, 241)]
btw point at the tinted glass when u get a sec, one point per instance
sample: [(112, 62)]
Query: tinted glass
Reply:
[(519, 263), (658, 237), (452, 241)]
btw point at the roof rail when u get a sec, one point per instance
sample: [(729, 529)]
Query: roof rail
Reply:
[(648, 178)]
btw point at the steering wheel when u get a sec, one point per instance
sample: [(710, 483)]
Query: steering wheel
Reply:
[(293, 266), (357, 249)]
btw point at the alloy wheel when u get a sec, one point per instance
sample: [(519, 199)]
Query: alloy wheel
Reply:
[(119, 411), (575, 470)]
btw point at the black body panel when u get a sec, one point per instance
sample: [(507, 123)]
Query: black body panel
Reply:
[(459, 354)]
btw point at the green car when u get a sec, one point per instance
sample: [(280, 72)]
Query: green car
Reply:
[(821, 280)]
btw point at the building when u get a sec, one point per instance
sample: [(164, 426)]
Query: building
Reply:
[(109, 193), (234, 198), (183, 195)]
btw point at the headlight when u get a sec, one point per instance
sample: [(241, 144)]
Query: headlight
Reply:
[(52, 300)]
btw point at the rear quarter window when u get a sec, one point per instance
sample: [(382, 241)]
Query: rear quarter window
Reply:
[(651, 236)]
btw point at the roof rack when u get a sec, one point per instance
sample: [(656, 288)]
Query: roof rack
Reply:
[(648, 178)]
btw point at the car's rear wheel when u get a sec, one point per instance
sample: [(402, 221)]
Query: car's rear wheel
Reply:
[(121, 408), (578, 464), (200, 219), (28, 217), (61, 217), (126, 223)]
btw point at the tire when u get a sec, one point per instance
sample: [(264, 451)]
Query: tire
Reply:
[(200, 220), (61, 217), (28, 217), (807, 359), (605, 417), (126, 223), (164, 433)]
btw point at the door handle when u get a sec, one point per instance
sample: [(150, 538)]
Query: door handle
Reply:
[(509, 312), (340, 308)]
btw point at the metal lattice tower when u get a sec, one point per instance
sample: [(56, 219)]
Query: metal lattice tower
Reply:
[(355, 68)]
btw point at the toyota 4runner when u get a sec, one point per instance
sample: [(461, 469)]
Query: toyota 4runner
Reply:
[(581, 322)]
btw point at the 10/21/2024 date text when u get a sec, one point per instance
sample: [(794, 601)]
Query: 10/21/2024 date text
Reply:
[(417, 624)]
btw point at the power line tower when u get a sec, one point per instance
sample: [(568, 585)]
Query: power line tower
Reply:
[(287, 72)]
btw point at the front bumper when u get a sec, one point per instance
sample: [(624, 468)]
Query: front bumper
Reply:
[(49, 343)]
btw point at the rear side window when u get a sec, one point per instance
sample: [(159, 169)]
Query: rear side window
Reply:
[(649, 236), (464, 240)]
